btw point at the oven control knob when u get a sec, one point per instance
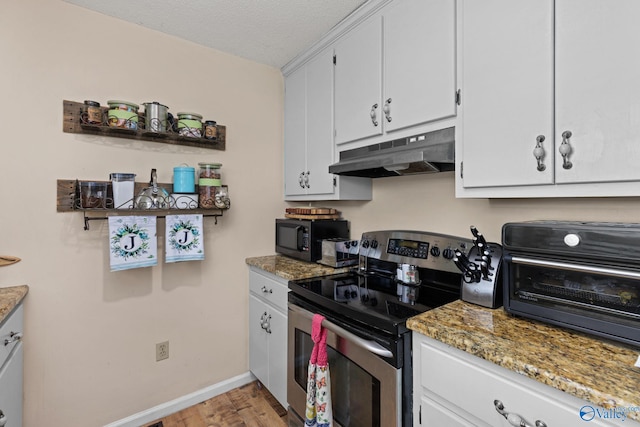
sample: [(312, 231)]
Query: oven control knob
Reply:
[(374, 244), (435, 251), (448, 253), (365, 244)]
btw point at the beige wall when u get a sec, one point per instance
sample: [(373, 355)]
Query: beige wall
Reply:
[(90, 334)]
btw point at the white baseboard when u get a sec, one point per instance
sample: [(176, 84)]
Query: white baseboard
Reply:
[(183, 402)]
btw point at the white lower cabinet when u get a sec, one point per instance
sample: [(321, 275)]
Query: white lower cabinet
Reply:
[(268, 331), (11, 369), (452, 388)]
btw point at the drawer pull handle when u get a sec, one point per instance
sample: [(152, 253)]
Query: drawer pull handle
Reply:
[(267, 291), (13, 337), (515, 419)]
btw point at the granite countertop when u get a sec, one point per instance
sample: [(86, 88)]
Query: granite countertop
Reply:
[(9, 298), (596, 370), (292, 269)]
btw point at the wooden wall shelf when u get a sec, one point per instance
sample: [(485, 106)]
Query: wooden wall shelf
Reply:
[(67, 201), (73, 113)]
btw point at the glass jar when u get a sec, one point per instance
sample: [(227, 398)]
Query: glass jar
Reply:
[(211, 130), (93, 112), (209, 180)]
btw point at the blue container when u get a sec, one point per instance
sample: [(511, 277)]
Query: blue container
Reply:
[(184, 179)]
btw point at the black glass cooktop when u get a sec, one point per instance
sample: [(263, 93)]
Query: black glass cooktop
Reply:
[(371, 300)]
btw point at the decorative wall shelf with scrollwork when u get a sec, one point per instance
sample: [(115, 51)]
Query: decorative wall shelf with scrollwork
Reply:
[(75, 121), (69, 200)]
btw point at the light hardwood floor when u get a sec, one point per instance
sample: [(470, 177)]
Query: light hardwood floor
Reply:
[(249, 405)]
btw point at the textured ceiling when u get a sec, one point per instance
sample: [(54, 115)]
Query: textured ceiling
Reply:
[(270, 32)]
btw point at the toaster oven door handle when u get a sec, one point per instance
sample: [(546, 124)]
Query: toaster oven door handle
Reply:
[(575, 267), (368, 345)]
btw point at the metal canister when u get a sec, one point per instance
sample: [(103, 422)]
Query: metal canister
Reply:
[(155, 117)]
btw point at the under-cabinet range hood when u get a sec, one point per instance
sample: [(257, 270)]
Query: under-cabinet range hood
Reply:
[(425, 153)]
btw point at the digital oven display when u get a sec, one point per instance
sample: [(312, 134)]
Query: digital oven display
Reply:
[(410, 248)]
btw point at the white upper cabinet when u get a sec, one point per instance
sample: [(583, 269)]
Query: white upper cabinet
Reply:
[(550, 99), (396, 70), (308, 136)]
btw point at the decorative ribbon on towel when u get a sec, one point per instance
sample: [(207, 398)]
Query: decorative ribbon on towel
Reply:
[(319, 412), (132, 242), (184, 238)]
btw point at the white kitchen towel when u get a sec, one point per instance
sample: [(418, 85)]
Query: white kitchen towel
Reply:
[(184, 238), (133, 242)]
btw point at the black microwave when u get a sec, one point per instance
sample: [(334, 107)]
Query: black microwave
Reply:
[(302, 238)]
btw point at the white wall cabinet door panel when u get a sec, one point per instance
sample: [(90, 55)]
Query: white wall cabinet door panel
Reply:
[(507, 91), (295, 133), (320, 146), (598, 89), (419, 62), (358, 82)]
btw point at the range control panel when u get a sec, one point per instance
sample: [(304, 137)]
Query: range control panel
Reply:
[(422, 249)]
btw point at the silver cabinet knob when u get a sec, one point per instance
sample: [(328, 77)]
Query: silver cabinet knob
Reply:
[(386, 109), (565, 149), (539, 153), (374, 114), (515, 419), (266, 291)]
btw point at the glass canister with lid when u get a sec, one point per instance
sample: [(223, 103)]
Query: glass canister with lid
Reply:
[(209, 180)]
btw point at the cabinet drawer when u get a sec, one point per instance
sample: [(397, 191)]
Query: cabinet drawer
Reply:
[(11, 388), (11, 326), (269, 289), (471, 386)]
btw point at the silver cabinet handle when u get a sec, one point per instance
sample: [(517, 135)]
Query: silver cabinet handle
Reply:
[(515, 419), (565, 149), (3, 419), (301, 180), (387, 109), (539, 153), (267, 324), (306, 179), (266, 291), (373, 114), (13, 337)]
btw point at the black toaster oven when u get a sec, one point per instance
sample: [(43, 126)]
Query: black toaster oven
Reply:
[(580, 275)]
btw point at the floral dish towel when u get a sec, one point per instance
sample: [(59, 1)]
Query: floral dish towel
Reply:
[(132, 242), (184, 238), (319, 412)]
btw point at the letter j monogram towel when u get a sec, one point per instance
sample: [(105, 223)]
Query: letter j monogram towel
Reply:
[(132, 242), (184, 237)]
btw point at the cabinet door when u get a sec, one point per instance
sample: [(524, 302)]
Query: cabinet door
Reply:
[(598, 89), (358, 82), (11, 388), (258, 341), (295, 132), (320, 146), (507, 91), (419, 62), (278, 356), (435, 415)]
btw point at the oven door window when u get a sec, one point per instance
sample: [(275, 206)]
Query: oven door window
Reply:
[(606, 293), (355, 394)]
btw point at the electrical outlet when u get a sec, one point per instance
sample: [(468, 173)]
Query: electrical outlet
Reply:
[(162, 351)]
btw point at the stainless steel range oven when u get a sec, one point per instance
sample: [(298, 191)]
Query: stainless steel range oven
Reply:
[(400, 274), (579, 275)]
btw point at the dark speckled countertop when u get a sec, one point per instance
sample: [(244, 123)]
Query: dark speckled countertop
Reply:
[(9, 298), (292, 269), (599, 371)]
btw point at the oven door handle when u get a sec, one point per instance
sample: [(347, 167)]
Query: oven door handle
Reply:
[(368, 345), (578, 268)]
